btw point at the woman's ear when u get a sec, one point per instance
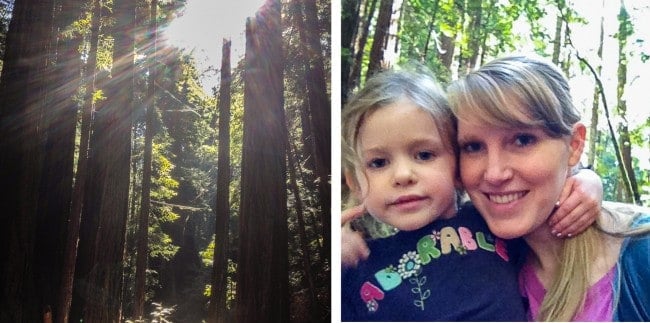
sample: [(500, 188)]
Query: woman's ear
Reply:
[(577, 143)]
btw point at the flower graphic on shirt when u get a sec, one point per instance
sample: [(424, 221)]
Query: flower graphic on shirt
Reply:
[(461, 250), (409, 265), (372, 306), (435, 235)]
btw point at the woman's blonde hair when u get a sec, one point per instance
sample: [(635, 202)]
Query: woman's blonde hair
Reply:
[(415, 85), (522, 92)]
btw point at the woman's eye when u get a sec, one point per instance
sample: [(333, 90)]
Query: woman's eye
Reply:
[(424, 155), (523, 140), (377, 163), (471, 147)]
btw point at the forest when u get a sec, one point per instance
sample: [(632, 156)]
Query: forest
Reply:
[(602, 46), (134, 195)]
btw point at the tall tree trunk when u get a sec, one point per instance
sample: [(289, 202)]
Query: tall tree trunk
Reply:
[(593, 128), (70, 247), (262, 282), (145, 198), (392, 47), (380, 38), (557, 40), (475, 32), (320, 111), (112, 145), (355, 74), (218, 311), (22, 138), (431, 31), (315, 313), (60, 120), (624, 31), (349, 26)]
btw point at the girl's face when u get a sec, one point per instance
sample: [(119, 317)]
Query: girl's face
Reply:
[(514, 176), (407, 176)]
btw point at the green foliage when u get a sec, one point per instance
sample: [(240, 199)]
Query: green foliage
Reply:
[(207, 257)]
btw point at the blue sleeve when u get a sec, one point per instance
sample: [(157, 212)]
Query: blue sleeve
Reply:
[(634, 297)]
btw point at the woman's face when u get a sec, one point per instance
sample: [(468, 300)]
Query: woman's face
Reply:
[(514, 176)]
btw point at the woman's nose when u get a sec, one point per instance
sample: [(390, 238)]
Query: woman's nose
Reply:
[(498, 168)]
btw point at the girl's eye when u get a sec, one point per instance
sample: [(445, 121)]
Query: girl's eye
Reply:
[(471, 147), (424, 155), (523, 140), (377, 163)]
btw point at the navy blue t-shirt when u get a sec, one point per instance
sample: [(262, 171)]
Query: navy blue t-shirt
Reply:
[(450, 270)]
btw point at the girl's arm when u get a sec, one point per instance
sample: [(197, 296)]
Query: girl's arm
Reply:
[(579, 204), (353, 246)]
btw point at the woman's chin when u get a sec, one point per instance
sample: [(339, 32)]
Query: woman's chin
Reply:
[(508, 229)]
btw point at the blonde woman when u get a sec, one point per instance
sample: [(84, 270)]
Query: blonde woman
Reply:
[(520, 137)]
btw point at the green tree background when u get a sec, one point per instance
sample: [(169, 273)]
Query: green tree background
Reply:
[(594, 42)]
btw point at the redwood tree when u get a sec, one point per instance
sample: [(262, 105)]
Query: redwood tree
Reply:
[(262, 282), (111, 145), (218, 311)]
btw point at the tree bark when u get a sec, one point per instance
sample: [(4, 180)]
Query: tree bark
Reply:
[(380, 37), (145, 198), (218, 312), (355, 74), (262, 282), (23, 87), (593, 128), (629, 178), (349, 26), (112, 145)]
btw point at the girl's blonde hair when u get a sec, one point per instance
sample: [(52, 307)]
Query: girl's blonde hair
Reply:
[(385, 88), (522, 92)]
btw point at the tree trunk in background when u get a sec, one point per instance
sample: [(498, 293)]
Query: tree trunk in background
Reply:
[(448, 43), (315, 312), (355, 74), (22, 138), (566, 64), (145, 201), (625, 29), (349, 26), (60, 120), (557, 40), (431, 31), (474, 30), (321, 119), (593, 128), (380, 38), (392, 48), (262, 272), (218, 311), (112, 145), (70, 251)]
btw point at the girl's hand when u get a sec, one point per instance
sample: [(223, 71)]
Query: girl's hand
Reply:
[(579, 204), (353, 247)]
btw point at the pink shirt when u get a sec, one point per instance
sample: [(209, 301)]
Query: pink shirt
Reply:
[(598, 305)]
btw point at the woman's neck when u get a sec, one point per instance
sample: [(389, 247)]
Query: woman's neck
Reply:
[(546, 249)]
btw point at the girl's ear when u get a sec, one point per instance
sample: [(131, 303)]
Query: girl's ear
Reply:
[(577, 143), (351, 182)]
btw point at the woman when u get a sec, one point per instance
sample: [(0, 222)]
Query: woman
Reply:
[(520, 138)]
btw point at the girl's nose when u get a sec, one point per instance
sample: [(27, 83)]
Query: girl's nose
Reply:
[(404, 174)]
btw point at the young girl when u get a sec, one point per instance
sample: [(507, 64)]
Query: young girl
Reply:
[(399, 142)]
